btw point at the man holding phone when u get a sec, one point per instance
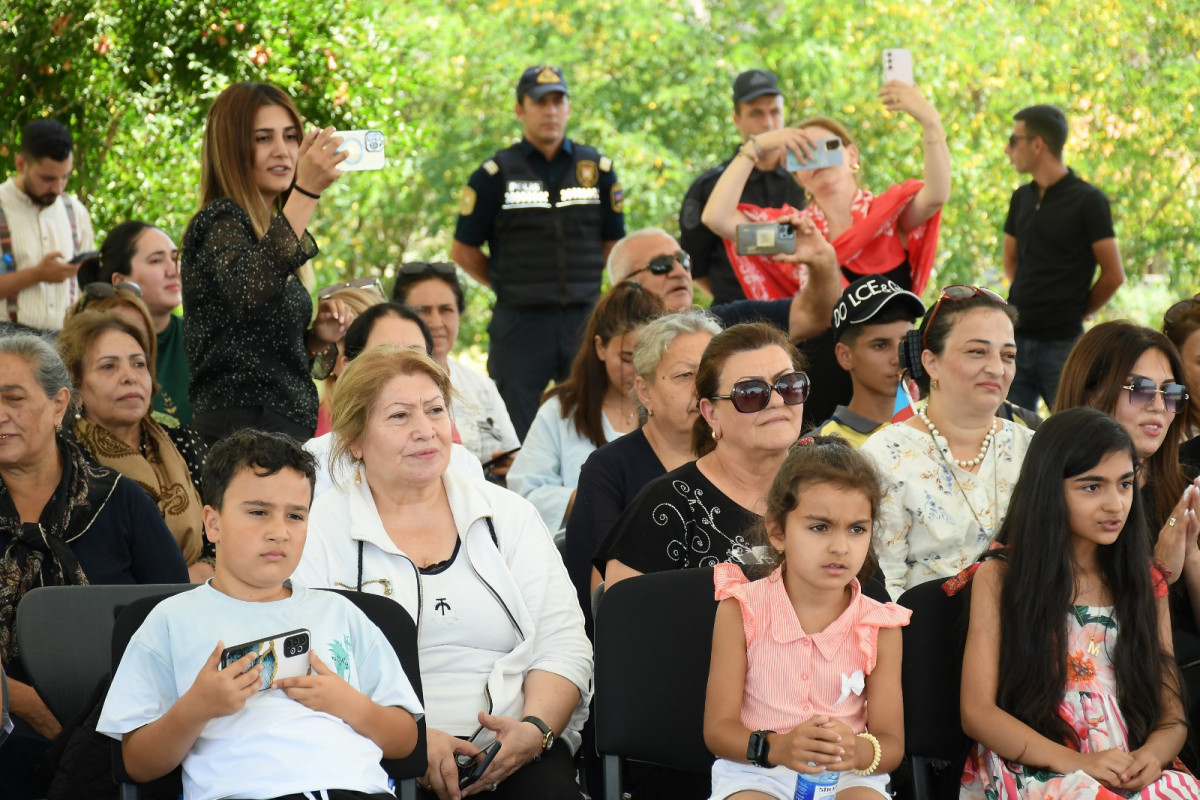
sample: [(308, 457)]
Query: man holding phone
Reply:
[(1059, 228), (757, 108), (43, 230), (550, 210)]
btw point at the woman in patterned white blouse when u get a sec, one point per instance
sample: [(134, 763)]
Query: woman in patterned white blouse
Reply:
[(951, 468)]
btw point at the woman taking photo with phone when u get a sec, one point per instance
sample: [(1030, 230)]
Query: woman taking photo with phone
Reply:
[(894, 234), (246, 278)]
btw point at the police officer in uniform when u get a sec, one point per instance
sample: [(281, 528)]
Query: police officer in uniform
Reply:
[(757, 108), (549, 210)]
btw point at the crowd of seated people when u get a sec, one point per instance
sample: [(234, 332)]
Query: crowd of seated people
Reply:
[(813, 444)]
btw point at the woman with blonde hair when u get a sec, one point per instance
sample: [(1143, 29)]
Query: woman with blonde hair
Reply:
[(246, 277), (358, 295)]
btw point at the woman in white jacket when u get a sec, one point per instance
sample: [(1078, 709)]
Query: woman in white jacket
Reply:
[(502, 646)]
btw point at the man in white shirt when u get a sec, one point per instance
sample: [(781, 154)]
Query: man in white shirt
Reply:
[(42, 230)]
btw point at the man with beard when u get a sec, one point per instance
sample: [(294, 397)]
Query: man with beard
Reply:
[(41, 230)]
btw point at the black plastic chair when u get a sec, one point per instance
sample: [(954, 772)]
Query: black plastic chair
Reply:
[(3, 706), (930, 676), (388, 615), (65, 636), (653, 646)]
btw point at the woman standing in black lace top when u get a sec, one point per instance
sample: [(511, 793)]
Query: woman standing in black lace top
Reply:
[(246, 278)]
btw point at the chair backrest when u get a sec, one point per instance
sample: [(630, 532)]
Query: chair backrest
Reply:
[(387, 615), (65, 637), (653, 645), (930, 676), (3, 706)]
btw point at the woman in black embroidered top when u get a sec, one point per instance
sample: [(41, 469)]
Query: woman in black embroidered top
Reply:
[(752, 394), (246, 279)]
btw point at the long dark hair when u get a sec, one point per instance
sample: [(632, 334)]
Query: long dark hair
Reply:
[(1100, 363), (626, 307), (116, 254), (1039, 586)]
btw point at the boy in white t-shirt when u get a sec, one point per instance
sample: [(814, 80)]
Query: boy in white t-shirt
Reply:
[(237, 732)]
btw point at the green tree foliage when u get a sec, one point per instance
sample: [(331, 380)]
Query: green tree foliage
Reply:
[(650, 85)]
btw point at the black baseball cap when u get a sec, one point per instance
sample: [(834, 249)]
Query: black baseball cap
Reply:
[(754, 83), (537, 82), (866, 297)]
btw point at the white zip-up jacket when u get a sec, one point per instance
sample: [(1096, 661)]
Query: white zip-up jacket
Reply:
[(521, 568)]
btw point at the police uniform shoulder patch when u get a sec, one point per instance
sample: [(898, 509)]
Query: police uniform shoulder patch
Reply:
[(605, 164), (586, 174), (617, 196), (491, 167), (466, 201)]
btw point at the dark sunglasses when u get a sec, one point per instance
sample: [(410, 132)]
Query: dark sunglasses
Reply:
[(325, 362), (753, 394), (357, 283), (662, 265), (99, 289), (425, 267), (1142, 391), (1014, 138), (955, 293), (1178, 311)]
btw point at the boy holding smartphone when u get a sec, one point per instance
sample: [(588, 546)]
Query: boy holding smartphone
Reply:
[(320, 734)]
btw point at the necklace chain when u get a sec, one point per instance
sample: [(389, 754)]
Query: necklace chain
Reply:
[(983, 448)]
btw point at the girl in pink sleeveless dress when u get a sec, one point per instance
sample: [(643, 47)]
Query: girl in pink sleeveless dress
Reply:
[(805, 674), (1069, 686)]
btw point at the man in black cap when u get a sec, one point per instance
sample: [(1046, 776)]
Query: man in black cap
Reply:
[(550, 211), (869, 323), (757, 108)]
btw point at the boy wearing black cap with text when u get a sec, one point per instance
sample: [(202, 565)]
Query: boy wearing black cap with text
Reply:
[(869, 323)]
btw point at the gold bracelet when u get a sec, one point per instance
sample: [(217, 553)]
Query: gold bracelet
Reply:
[(878, 755)]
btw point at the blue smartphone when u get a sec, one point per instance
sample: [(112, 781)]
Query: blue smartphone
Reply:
[(827, 152)]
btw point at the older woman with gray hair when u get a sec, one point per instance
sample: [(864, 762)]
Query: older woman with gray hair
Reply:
[(665, 361), (64, 520)]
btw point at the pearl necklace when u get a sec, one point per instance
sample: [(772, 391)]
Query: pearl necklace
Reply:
[(983, 448)]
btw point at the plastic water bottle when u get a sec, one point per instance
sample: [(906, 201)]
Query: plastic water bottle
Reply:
[(822, 786)]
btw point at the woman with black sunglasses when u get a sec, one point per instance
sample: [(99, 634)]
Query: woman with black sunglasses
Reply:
[(752, 389), (950, 469)]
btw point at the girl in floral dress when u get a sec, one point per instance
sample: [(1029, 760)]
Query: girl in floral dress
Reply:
[(1069, 687)]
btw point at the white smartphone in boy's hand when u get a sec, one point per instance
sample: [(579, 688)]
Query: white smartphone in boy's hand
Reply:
[(284, 655), (898, 66)]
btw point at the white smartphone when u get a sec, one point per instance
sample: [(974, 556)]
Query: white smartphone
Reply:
[(365, 148), (898, 66), (284, 655)]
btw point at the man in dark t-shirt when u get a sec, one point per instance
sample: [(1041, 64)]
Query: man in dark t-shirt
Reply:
[(1058, 229), (757, 108)]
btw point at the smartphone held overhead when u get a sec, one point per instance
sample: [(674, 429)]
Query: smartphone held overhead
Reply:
[(765, 239), (365, 150), (898, 66), (827, 152)]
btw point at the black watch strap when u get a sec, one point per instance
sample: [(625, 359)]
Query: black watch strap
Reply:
[(758, 749), (547, 733)]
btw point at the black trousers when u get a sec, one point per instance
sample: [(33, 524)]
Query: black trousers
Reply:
[(552, 778)]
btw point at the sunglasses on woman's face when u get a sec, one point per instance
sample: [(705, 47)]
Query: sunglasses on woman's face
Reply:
[(662, 265), (754, 394), (1142, 391)]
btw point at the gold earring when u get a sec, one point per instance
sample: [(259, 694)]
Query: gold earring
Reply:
[(934, 385), (855, 167), (358, 472)]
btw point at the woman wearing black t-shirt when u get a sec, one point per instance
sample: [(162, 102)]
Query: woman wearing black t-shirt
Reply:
[(246, 279), (752, 393)]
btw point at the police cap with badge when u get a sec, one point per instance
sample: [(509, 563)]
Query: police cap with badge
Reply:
[(537, 82)]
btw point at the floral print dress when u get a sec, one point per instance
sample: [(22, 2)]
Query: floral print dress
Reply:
[(1090, 706)]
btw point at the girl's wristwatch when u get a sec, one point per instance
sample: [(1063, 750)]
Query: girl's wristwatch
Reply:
[(547, 735), (758, 748)]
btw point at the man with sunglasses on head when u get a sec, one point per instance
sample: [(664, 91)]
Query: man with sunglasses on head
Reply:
[(1059, 228), (549, 209), (42, 230), (651, 257), (757, 109)]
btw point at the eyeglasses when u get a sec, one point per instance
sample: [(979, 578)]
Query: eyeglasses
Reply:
[(1178, 311), (1142, 391), (425, 267), (357, 283), (1013, 138), (100, 289), (753, 394), (956, 292), (661, 265)]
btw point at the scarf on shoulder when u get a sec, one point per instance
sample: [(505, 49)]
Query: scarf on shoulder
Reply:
[(161, 471), (871, 245), (39, 553)]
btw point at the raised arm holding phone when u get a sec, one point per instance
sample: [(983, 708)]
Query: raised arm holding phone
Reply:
[(894, 234)]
